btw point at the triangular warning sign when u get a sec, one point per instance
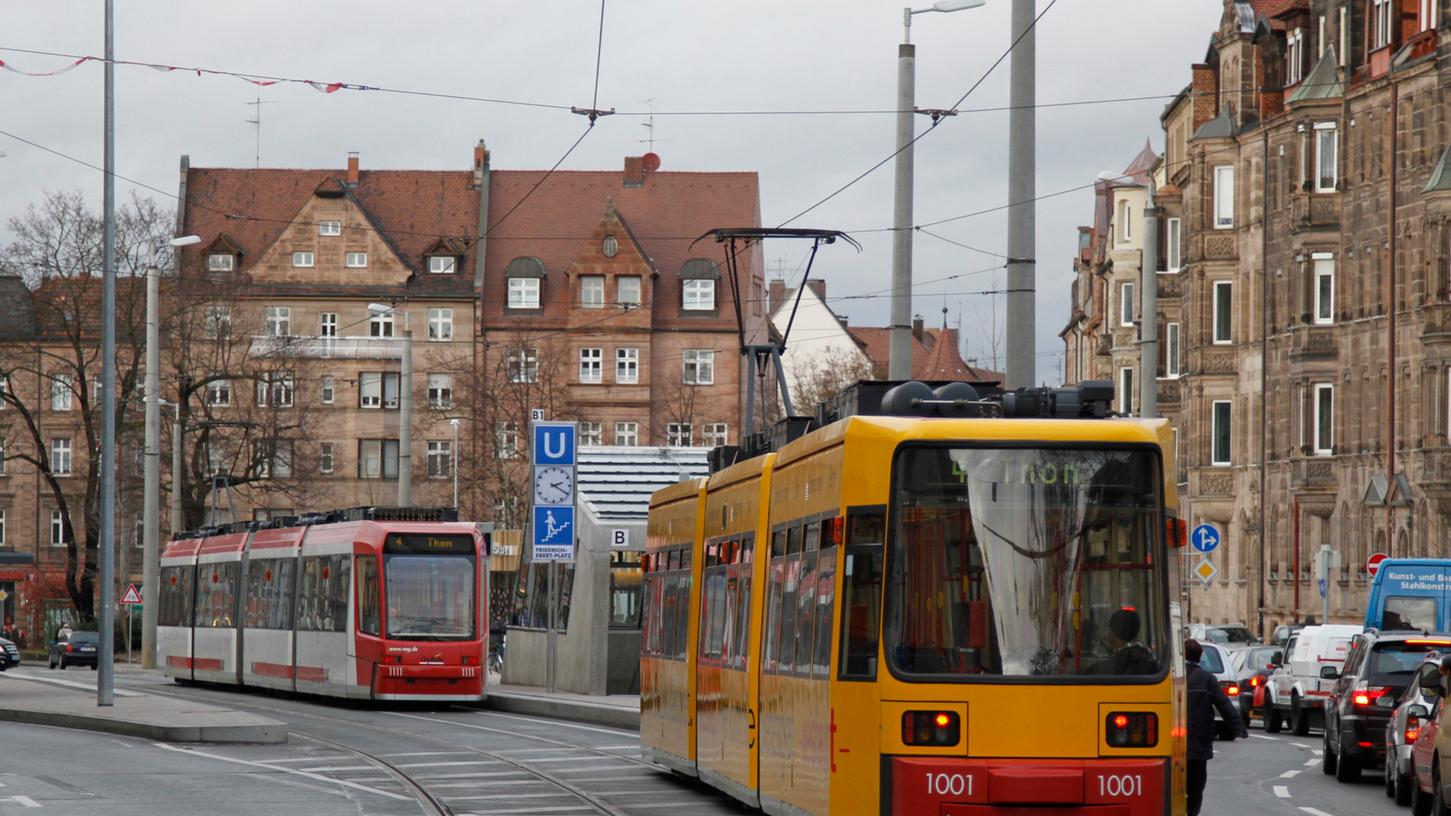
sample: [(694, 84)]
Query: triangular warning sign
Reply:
[(133, 595)]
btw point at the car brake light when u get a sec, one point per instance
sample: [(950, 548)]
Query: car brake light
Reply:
[(1413, 729), (1254, 682), (1132, 729), (931, 728), (70, 647), (1367, 696), (1233, 690), (1429, 642)]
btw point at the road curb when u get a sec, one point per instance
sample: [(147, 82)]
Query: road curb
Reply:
[(556, 709), (266, 732)]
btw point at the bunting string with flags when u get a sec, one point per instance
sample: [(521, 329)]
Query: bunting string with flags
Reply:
[(57, 72), (259, 81)]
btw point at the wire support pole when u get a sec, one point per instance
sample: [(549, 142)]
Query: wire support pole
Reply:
[(1022, 229)]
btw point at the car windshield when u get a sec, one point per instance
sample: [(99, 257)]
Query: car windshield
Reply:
[(1238, 634), (1216, 635), (1258, 659), (430, 597), (1026, 562), (1401, 657), (1211, 661)]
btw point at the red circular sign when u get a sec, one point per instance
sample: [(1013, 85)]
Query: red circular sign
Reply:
[(1372, 564)]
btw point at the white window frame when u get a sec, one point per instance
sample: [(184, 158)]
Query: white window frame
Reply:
[(1126, 304), (1320, 36), (276, 389), (1381, 14), (591, 433), (506, 440), (62, 393), (329, 389), (627, 434), (219, 393), (326, 457), (1426, 19), (327, 328), (1294, 56), (61, 456), (1344, 36), (1214, 433), (698, 367), (1224, 196), (522, 365), (635, 282), (442, 264), (1214, 315), (592, 291), (4, 463), (1125, 219), (370, 389), (715, 434), (221, 261), (1126, 390), (439, 459), (330, 228), (1322, 131), (1171, 351), (1174, 252), (679, 435), (57, 529), (697, 294), (1323, 264), (374, 460), (440, 325), (440, 391), (1324, 423), (303, 260), (381, 324), (524, 293), (627, 366), (355, 260), (277, 321), (591, 365)]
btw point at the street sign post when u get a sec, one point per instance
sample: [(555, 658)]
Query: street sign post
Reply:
[(1205, 572), (132, 596), (1205, 538), (552, 529), (1372, 564)]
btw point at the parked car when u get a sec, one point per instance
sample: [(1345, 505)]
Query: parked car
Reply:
[(1408, 718), (1297, 691), (78, 650), (1216, 661), (1252, 668), (1378, 667), (1426, 773), (1232, 636), (9, 654)]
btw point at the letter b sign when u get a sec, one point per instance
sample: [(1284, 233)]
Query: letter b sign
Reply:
[(619, 538)]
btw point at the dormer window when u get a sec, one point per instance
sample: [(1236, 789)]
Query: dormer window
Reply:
[(442, 264), (330, 228), (356, 260), (697, 285), (525, 277), (221, 262)]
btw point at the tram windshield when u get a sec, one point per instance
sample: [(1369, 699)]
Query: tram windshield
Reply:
[(431, 597), (1026, 562)]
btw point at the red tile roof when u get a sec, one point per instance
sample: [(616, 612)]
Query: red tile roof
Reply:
[(934, 355)]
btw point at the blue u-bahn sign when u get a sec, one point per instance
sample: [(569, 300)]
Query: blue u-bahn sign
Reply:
[(554, 456)]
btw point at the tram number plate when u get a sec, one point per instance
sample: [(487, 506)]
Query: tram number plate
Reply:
[(1120, 786), (949, 784)]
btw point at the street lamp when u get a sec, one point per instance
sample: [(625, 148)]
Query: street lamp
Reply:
[(405, 406), (899, 360), (454, 467), (150, 528)]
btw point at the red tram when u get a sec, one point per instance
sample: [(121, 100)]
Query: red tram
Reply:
[(375, 603)]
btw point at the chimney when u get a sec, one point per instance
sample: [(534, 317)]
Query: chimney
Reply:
[(818, 286), (352, 168), (775, 293), (481, 163), (1204, 85), (842, 320), (917, 327), (634, 171)]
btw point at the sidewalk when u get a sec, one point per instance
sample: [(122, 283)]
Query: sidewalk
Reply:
[(69, 701), (615, 710)]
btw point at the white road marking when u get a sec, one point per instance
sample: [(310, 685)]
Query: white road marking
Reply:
[(332, 768), (545, 721), (55, 681), (448, 764), (427, 753), (313, 776), (1310, 762), (1290, 774), (1263, 737), (1318, 752), (1313, 811), (23, 801), (1282, 792)]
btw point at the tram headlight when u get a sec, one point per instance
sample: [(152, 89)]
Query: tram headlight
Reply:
[(931, 728), (1131, 729)]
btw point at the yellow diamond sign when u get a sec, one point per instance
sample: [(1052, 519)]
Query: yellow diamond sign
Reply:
[(1206, 571)]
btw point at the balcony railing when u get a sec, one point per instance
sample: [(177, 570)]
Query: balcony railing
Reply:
[(1313, 342), (1314, 210), (1312, 472), (329, 348)]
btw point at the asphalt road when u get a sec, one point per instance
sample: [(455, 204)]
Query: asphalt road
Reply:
[(1279, 775)]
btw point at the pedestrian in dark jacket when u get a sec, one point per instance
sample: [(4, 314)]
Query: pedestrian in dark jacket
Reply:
[(1202, 696)]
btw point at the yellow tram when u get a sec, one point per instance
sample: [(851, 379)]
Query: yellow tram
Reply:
[(924, 615)]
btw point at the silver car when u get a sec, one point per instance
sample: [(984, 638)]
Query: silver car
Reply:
[(1402, 730), (1217, 661)]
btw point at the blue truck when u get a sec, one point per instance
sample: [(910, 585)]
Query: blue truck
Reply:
[(1410, 593)]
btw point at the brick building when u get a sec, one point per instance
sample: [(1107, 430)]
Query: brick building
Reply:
[(1304, 197)]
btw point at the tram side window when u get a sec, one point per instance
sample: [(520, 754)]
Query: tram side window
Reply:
[(322, 595), (775, 587), (861, 596), (825, 602), (176, 596), (368, 608), (805, 610), (712, 613), (269, 594), (217, 595), (740, 635)]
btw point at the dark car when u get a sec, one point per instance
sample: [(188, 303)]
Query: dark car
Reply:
[(1411, 713), (1378, 667), (78, 650), (9, 654), (1252, 667)]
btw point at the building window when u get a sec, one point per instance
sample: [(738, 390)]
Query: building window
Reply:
[(442, 264), (61, 392), (377, 458), (679, 434), (627, 290), (274, 389), (273, 458), (627, 366), (627, 434), (380, 324), (1171, 350), (1324, 264), (714, 434), (1126, 391), (57, 529), (2, 528), (216, 322), (1324, 419), (302, 259), (1344, 37), (1173, 255), (440, 324), (378, 389), (591, 365), (325, 457), (506, 440), (219, 393), (4, 460), (1427, 17), (356, 260), (1382, 15), (329, 389), (440, 459), (440, 390), (699, 367), (592, 291), (60, 456), (1223, 312), (1125, 222), (523, 365), (1126, 304), (221, 262), (523, 293), (610, 246), (1327, 142), (329, 228), (327, 324), (591, 433), (1295, 56), (1224, 197), (277, 321), (697, 294), (1219, 433)]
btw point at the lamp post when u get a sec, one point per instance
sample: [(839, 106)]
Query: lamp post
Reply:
[(899, 359), (454, 467), (151, 500), (405, 407)]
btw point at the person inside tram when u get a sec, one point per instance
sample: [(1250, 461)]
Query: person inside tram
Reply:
[(1129, 655)]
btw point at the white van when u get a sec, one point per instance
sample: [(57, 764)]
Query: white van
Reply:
[(1296, 690)]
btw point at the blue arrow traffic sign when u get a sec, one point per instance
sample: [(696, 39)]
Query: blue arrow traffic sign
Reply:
[(1204, 538)]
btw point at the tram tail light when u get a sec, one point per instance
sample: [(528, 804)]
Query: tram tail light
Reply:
[(1132, 729), (931, 728), (470, 660), (392, 658)]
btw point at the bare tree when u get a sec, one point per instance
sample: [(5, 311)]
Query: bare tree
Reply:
[(825, 374)]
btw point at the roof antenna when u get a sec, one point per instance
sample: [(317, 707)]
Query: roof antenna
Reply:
[(256, 122)]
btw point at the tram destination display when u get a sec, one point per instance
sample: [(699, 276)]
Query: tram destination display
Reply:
[(429, 544)]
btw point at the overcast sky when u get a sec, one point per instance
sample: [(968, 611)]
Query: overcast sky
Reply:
[(669, 55)]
